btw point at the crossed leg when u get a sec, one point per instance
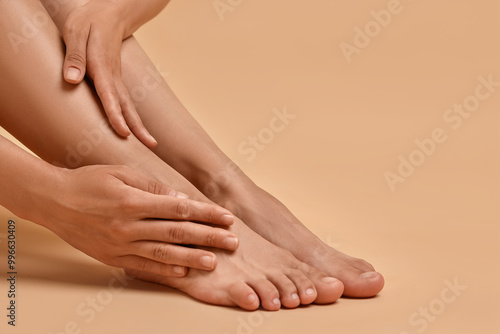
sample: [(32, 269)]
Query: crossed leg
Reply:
[(65, 124)]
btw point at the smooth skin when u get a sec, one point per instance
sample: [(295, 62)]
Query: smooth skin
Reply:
[(138, 221), (106, 212), (57, 116), (93, 32), (189, 150)]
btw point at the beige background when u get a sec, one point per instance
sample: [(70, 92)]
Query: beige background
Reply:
[(352, 121)]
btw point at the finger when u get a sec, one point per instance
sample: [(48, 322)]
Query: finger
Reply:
[(186, 233), (108, 94), (174, 208), (144, 264), (170, 254), (135, 180), (100, 69), (150, 205), (75, 61), (132, 118)]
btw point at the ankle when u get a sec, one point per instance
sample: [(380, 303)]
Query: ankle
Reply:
[(224, 185)]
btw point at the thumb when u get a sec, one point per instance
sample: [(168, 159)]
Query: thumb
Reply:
[(76, 55)]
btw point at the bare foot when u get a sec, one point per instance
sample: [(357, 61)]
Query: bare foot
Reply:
[(271, 219), (257, 273)]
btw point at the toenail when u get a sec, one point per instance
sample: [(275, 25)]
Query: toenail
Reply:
[(310, 292), (207, 261), (231, 242), (329, 280), (369, 274), (295, 296), (276, 301), (252, 298)]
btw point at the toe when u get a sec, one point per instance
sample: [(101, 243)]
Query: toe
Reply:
[(268, 294), (362, 284), (329, 289), (305, 287), (288, 292), (243, 296), (359, 278)]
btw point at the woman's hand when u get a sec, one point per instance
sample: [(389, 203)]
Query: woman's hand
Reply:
[(127, 220), (93, 33)]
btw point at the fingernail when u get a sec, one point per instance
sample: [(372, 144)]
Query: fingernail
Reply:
[(328, 280), (207, 261), (310, 292), (231, 242), (369, 274), (73, 73), (295, 296), (227, 220), (178, 270), (181, 195), (276, 301)]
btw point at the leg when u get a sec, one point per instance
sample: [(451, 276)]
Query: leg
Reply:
[(57, 120), (185, 146)]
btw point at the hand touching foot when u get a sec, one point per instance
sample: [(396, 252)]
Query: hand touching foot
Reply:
[(258, 272)]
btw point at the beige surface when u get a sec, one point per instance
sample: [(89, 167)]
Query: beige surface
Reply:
[(352, 121)]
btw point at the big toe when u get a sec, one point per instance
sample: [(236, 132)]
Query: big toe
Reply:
[(361, 284)]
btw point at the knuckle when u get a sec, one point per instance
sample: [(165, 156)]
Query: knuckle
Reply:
[(183, 209), (118, 233), (76, 57), (161, 253), (113, 93), (143, 264), (209, 215), (177, 233), (70, 27), (116, 229), (157, 188), (211, 238), (107, 91), (129, 206)]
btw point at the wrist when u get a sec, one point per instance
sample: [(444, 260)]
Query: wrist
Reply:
[(42, 194), (123, 12), (135, 13)]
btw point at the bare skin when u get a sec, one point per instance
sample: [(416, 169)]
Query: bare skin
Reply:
[(189, 150), (57, 118)]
